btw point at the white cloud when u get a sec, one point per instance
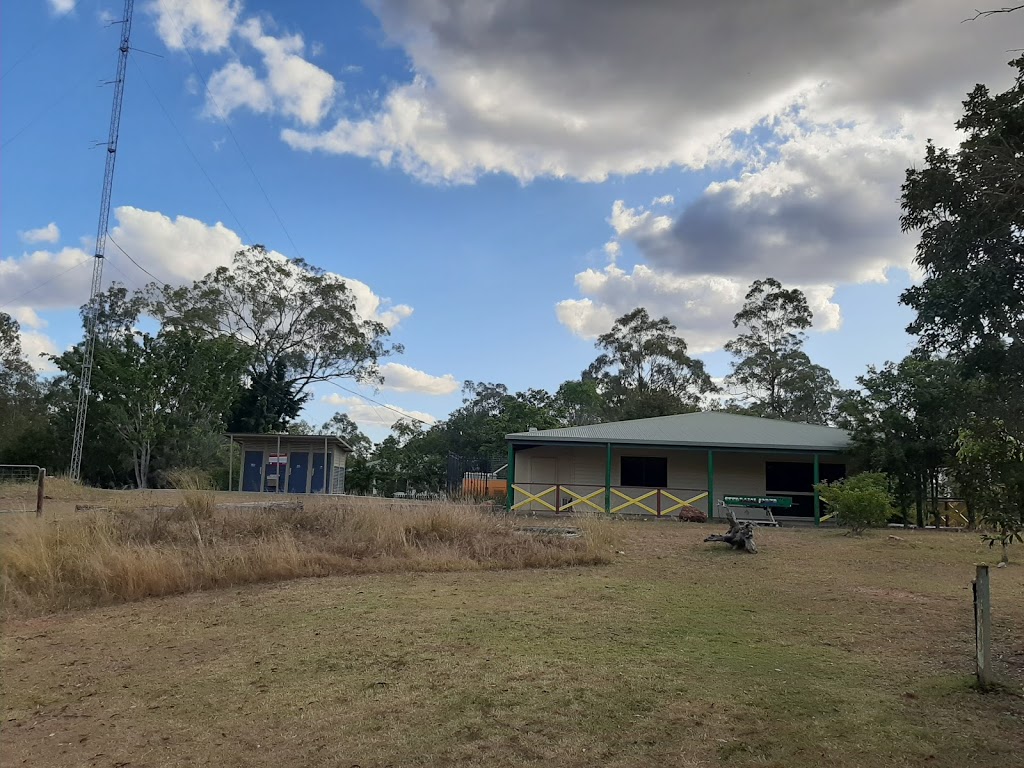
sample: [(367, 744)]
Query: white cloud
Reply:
[(235, 85), (184, 249), (46, 279), (203, 24), (402, 378), (61, 6), (290, 85), (645, 86), (27, 317), (35, 347), (663, 200), (302, 90), (177, 250), (48, 234), (367, 414), (821, 212), (701, 307)]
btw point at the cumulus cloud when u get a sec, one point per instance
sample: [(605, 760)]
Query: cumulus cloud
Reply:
[(366, 414), (648, 85), (184, 249), (821, 210), (827, 208), (290, 85), (27, 317), (300, 89), (59, 7), (176, 250), (36, 348), (402, 378), (235, 85), (701, 307), (46, 279), (203, 24), (48, 234)]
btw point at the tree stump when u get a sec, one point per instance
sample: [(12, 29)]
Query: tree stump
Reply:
[(739, 535)]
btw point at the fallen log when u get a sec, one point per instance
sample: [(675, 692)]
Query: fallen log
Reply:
[(739, 535)]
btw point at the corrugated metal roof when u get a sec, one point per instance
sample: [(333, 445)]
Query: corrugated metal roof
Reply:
[(271, 436), (710, 429)]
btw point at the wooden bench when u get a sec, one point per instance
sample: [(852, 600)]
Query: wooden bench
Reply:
[(763, 504)]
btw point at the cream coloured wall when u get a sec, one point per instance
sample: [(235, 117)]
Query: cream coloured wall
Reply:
[(736, 473)]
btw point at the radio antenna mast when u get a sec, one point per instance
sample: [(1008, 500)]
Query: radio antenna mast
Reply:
[(92, 309)]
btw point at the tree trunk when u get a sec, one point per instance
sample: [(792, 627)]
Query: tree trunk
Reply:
[(920, 502), (739, 535)]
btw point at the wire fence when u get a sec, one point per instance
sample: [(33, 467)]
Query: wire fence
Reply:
[(21, 476), (477, 477)]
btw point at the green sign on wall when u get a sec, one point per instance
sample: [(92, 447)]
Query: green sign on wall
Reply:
[(779, 502)]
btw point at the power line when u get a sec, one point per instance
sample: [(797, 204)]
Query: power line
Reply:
[(128, 282), (195, 158), (133, 261), (44, 283), (402, 413), (38, 40), (46, 109), (234, 139)]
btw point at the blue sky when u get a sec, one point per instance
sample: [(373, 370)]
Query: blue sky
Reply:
[(503, 178)]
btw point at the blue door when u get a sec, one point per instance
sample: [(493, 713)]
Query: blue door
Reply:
[(298, 464), (316, 485), (251, 471)]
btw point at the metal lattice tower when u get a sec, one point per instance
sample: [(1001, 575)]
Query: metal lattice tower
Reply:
[(101, 243)]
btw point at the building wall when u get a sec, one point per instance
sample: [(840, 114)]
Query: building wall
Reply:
[(736, 473), (336, 458)]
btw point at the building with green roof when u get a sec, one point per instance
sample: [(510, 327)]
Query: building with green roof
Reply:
[(662, 465)]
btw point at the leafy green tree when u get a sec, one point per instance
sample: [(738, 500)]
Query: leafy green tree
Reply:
[(904, 422), (162, 395), (577, 403), (359, 471), (268, 403), (968, 207), (644, 369), (299, 322), (21, 395), (995, 460), (859, 502), (341, 425), (771, 374)]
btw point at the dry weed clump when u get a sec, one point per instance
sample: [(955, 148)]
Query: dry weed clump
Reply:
[(121, 554)]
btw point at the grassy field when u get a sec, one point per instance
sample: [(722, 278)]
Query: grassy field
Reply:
[(822, 650)]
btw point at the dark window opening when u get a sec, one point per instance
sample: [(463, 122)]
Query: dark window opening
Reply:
[(798, 477), (644, 471)]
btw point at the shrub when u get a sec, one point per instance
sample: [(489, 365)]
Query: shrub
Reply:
[(859, 502)]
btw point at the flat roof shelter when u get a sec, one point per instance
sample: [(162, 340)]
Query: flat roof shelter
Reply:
[(287, 463), (660, 466)]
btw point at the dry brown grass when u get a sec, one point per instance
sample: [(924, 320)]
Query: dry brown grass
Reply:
[(822, 650), (120, 554)]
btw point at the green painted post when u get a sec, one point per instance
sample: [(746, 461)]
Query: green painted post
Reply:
[(711, 484), (608, 481), (510, 493), (817, 501)]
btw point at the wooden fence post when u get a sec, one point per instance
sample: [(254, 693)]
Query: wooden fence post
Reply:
[(983, 629), (40, 491)]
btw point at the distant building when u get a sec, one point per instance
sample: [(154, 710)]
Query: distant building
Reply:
[(656, 466), (288, 463)]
